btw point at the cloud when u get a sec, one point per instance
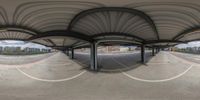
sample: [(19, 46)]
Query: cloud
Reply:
[(190, 44), (21, 44)]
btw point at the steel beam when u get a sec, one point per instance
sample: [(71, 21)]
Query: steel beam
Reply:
[(62, 33), (138, 39), (163, 41), (50, 41), (93, 57)]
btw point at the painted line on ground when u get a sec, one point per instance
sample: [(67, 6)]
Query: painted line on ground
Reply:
[(152, 81), (50, 80), (162, 80)]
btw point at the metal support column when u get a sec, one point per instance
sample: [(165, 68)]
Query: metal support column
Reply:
[(72, 53), (156, 50), (143, 53), (67, 52), (93, 57), (153, 51)]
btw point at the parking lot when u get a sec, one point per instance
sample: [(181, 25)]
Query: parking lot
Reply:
[(166, 76)]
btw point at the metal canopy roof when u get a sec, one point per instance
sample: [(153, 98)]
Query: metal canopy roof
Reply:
[(70, 23)]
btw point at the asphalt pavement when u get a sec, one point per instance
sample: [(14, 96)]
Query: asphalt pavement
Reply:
[(54, 76)]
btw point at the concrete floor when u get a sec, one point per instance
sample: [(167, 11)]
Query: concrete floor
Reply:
[(166, 76)]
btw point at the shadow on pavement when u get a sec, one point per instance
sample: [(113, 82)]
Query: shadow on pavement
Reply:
[(115, 63)]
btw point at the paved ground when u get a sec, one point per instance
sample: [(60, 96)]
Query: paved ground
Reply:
[(16, 60), (166, 76)]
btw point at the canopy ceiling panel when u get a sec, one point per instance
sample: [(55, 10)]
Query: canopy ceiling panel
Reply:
[(61, 41), (116, 37), (135, 20), (120, 38), (81, 45), (170, 18), (3, 16), (64, 42), (163, 44), (14, 35), (115, 21), (49, 15), (43, 42), (118, 43), (193, 36)]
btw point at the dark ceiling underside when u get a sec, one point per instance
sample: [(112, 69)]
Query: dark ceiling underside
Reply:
[(74, 23)]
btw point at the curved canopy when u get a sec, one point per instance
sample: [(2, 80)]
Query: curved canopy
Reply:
[(73, 23)]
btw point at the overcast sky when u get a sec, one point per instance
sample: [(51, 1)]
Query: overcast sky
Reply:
[(34, 45), (20, 44), (190, 44)]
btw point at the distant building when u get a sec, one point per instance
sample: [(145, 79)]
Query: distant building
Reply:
[(127, 48), (194, 50), (124, 48), (31, 50), (108, 48), (45, 50), (12, 49), (19, 50)]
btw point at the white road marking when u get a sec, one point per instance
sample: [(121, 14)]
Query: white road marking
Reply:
[(162, 80), (48, 80), (146, 80)]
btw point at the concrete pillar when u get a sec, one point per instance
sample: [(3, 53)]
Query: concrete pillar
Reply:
[(153, 51), (93, 57), (143, 53)]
